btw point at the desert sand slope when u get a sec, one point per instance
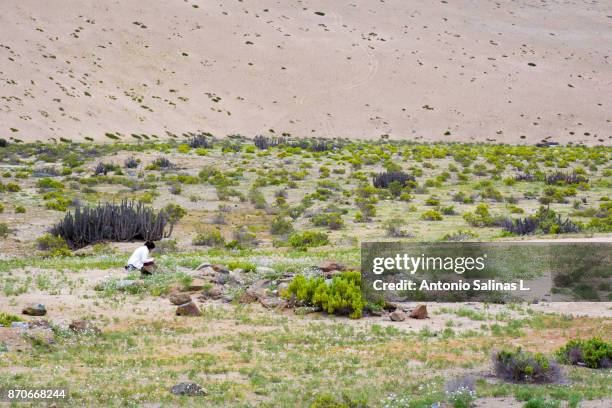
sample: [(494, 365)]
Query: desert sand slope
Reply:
[(511, 71)]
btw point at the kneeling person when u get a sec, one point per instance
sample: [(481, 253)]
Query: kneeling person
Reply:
[(140, 260)]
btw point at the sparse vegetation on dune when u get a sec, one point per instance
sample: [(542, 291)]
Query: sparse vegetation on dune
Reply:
[(261, 219)]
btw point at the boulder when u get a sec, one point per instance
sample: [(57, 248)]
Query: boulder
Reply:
[(188, 309), (397, 316), (190, 389), (419, 312), (236, 277), (197, 284), (248, 296), (329, 266), (179, 298), (35, 309), (83, 326), (273, 302), (220, 268), (213, 293)]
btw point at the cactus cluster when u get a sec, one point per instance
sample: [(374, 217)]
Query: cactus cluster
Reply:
[(111, 222)]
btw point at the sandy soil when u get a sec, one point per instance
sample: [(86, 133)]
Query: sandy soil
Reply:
[(481, 70)]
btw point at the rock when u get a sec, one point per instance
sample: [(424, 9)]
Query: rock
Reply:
[(273, 302), (264, 270), (221, 278), (201, 266), (190, 389), (419, 312), (197, 284), (35, 309), (84, 326), (188, 309), (329, 266), (397, 316), (179, 298), (236, 277), (390, 306), (213, 293), (220, 268), (283, 286), (20, 325), (248, 296)]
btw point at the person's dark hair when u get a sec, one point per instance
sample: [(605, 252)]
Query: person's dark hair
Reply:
[(150, 245)]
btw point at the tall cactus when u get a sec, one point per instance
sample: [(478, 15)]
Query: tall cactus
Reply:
[(111, 222)]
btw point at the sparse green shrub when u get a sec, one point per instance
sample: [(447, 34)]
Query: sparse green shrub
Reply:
[(332, 220), (432, 201), (308, 239), (210, 238), (13, 187), (242, 237), (1, 208), (593, 353), (541, 403), (431, 215), (522, 366), (342, 295), (174, 214), (4, 230), (20, 209), (6, 319), (281, 226), (49, 184), (257, 198), (394, 227), (53, 245), (481, 217)]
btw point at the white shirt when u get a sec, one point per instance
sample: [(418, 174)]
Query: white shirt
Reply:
[(139, 257)]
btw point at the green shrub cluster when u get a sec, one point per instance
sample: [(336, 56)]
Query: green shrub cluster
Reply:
[(6, 319), (308, 239), (332, 220), (210, 238), (53, 245), (342, 295), (593, 353)]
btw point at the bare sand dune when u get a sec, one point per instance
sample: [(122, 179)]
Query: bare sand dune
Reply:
[(458, 70)]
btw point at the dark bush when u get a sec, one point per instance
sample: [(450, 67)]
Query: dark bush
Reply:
[(593, 353), (384, 180), (3, 142), (524, 177), (545, 221), (131, 163), (162, 163), (110, 222), (100, 169), (203, 140), (524, 367), (264, 142), (560, 177)]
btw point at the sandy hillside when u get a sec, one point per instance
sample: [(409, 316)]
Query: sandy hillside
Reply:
[(516, 71)]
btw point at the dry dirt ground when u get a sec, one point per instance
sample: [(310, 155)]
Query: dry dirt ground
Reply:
[(464, 70)]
